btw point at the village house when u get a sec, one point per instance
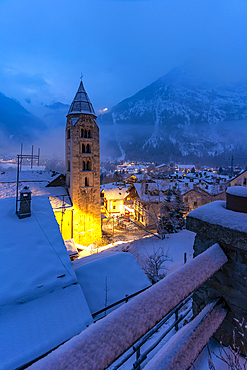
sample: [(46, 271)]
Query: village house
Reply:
[(239, 180), (113, 199), (147, 203)]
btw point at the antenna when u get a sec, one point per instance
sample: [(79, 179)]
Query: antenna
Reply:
[(81, 76), (20, 158), (233, 159)]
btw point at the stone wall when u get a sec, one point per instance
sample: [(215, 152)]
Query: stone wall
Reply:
[(85, 193), (230, 282)]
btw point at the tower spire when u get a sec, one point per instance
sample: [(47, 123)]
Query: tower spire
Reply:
[(81, 102)]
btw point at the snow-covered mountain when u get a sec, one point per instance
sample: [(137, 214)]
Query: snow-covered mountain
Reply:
[(180, 116), (17, 125), (41, 125)]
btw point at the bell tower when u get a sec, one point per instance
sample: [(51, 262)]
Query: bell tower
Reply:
[(83, 168)]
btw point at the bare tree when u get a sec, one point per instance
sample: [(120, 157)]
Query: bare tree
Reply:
[(232, 356), (154, 264)]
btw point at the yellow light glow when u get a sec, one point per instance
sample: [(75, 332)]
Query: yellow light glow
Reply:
[(86, 227), (105, 109)]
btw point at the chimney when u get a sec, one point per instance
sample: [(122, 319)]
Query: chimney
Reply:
[(25, 203)]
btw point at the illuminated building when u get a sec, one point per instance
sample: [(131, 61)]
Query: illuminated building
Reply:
[(83, 168)]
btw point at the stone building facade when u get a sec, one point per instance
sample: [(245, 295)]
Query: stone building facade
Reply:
[(214, 223), (83, 168)]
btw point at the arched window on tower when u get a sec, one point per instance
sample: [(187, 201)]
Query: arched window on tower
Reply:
[(85, 133), (82, 132), (88, 148), (84, 166), (86, 181), (83, 149), (89, 167), (68, 133), (89, 134)]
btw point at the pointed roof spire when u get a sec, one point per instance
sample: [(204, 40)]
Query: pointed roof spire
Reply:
[(81, 103)]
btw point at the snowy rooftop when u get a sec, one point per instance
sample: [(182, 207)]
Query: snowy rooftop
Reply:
[(59, 202), (32, 175), (150, 192), (110, 185), (216, 213), (156, 190), (35, 180), (115, 193), (239, 191), (38, 287)]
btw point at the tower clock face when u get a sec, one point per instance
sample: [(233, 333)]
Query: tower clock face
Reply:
[(68, 148)]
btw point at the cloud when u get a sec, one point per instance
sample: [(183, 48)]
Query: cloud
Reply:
[(25, 87), (120, 45)]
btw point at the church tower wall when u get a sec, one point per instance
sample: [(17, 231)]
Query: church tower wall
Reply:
[(83, 169)]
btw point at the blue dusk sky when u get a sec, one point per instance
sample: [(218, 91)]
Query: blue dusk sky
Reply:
[(120, 46)]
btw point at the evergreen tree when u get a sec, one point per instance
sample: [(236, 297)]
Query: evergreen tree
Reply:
[(167, 213), (171, 212), (179, 208)]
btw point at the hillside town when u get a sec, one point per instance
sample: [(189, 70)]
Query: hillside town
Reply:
[(106, 264)]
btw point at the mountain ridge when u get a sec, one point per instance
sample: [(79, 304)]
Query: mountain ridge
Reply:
[(178, 116)]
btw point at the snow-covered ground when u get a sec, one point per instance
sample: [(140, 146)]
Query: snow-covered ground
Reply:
[(175, 245), (108, 277)]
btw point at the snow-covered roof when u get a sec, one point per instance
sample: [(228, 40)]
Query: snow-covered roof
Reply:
[(71, 247), (162, 165), (32, 175), (216, 213), (115, 193), (124, 276), (59, 202), (111, 185), (81, 103), (239, 191), (35, 180), (241, 173), (39, 293), (185, 166), (145, 191)]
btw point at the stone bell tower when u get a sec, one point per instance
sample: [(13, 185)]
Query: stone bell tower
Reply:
[(83, 168)]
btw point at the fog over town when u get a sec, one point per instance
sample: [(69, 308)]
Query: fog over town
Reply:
[(123, 185)]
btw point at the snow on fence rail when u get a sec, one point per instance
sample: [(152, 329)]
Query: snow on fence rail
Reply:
[(183, 348), (104, 341), (136, 348)]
